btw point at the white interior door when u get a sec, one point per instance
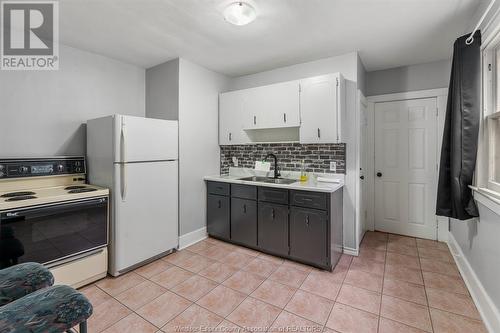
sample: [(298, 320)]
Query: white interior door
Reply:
[(406, 167), (145, 223)]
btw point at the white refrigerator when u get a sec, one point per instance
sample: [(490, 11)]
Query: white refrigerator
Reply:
[(137, 159)]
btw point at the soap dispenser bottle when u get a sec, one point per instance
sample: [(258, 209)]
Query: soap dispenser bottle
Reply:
[(303, 173)]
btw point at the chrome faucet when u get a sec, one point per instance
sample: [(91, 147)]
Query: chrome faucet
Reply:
[(276, 170)]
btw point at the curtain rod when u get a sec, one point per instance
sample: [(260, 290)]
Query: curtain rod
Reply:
[(470, 39)]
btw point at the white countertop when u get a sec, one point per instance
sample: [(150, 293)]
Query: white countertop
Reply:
[(311, 185)]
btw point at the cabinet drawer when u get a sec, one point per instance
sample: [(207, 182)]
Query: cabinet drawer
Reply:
[(218, 188), (316, 200), (244, 191), (275, 195)]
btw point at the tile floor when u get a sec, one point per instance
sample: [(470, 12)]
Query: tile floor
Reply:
[(397, 284)]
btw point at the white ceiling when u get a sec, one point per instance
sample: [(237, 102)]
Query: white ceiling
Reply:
[(387, 33)]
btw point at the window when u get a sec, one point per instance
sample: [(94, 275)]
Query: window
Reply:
[(488, 170), (493, 124)]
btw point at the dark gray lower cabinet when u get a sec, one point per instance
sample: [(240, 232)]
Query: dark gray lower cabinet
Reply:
[(244, 221), (218, 216), (273, 228), (305, 226), (309, 235)]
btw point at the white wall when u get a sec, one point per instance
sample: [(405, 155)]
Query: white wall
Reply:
[(162, 91), (409, 78), (199, 153), (345, 64), (43, 112)]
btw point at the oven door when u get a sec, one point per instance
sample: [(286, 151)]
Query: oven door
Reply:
[(49, 233)]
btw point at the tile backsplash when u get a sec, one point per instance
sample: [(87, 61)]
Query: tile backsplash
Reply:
[(317, 157)]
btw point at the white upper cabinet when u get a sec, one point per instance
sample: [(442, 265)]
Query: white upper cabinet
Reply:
[(320, 105), (231, 118), (272, 106), (307, 110)]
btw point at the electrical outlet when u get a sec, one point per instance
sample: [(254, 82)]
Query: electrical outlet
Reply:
[(333, 167), (235, 161)]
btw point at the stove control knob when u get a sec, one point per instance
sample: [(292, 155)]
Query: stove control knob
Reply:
[(2, 167), (60, 168), (23, 169), (2, 174)]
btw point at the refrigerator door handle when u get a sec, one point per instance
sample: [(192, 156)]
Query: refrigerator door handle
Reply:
[(123, 165)]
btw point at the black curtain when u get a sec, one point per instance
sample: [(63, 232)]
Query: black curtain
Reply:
[(459, 149)]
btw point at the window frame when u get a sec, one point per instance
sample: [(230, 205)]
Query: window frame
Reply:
[(485, 171)]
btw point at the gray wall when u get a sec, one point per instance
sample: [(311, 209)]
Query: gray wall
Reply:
[(478, 239), (181, 90), (162, 91), (409, 78), (44, 112), (199, 153)]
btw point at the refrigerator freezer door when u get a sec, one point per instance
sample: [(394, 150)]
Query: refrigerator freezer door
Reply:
[(144, 139), (145, 221)]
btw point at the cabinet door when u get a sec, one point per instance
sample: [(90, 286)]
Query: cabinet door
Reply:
[(230, 118), (273, 228), (319, 98), (272, 106), (308, 235), (218, 223), (244, 221)]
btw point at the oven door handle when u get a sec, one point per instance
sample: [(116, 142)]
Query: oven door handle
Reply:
[(63, 206)]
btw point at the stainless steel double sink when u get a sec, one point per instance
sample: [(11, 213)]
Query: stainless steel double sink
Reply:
[(269, 180)]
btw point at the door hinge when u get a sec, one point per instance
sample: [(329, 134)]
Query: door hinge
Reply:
[(337, 79), (300, 88), (437, 112), (489, 67)]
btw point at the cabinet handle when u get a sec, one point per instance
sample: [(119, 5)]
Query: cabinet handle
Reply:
[(272, 213), (230, 136), (245, 208), (220, 204), (307, 220), (319, 133), (284, 117), (255, 120)]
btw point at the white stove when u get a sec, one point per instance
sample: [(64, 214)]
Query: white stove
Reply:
[(49, 215)]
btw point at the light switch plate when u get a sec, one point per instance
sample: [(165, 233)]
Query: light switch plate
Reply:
[(333, 166)]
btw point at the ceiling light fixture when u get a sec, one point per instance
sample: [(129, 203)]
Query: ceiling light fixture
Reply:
[(239, 13)]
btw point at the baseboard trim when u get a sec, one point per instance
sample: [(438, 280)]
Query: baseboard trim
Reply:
[(192, 237), (487, 309), (351, 251)]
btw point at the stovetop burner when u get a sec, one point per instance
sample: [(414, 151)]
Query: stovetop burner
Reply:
[(21, 197), (75, 187), (82, 190), (17, 194)]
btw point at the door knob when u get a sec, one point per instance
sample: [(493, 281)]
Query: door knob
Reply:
[(379, 174), (362, 177)]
